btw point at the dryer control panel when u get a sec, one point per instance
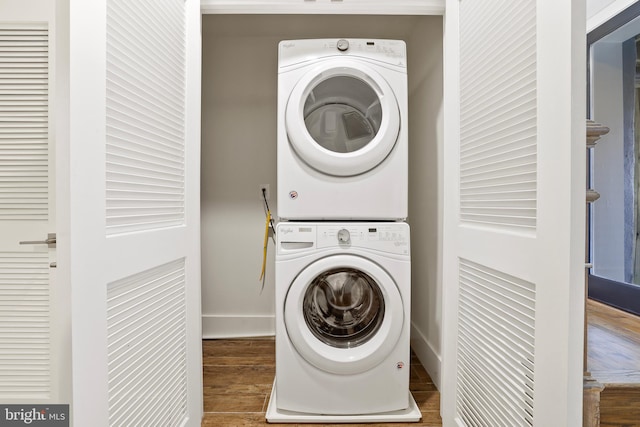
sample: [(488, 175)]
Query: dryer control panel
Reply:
[(391, 52), (385, 237)]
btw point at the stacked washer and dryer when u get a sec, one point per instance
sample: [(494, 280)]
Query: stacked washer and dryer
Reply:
[(343, 272)]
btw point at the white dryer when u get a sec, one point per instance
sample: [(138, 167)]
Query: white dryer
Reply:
[(342, 129), (342, 323)]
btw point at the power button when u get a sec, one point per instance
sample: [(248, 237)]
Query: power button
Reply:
[(343, 45), (344, 236)]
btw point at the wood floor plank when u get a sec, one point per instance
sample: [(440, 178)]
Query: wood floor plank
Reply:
[(238, 352), (239, 379), (627, 378), (227, 402), (620, 406), (611, 351), (625, 323)]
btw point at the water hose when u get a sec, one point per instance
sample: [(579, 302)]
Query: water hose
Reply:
[(268, 224)]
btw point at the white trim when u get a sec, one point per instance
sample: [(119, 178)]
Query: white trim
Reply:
[(365, 7), (193, 321), (60, 126), (427, 355), (216, 326), (450, 209)]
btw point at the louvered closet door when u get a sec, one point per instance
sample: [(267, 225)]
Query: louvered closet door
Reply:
[(135, 260), (514, 213), (30, 344)]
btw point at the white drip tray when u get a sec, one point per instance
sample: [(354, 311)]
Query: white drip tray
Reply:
[(275, 415)]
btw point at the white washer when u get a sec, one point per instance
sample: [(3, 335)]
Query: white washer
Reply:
[(342, 129), (342, 323)]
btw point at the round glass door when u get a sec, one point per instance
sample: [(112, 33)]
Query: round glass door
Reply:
[(344, 314), (343, 307), (342, 114), (342, 118)]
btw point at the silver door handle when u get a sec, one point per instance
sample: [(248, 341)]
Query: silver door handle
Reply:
[(50, 241)]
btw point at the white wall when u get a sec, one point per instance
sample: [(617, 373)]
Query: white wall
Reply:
[(608, 164), (239, 153), (425, 192), (600, 11)]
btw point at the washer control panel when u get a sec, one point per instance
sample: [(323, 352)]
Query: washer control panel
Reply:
[(384, 237), (392, 238)]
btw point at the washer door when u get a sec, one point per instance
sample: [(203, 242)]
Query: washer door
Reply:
[(344, 314), (342, 118)]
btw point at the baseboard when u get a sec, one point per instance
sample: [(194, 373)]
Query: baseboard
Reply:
[(223, 326), (427, 355), (621, 295)]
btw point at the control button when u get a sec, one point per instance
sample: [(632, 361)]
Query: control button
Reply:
[(344, 236), (343, 45)]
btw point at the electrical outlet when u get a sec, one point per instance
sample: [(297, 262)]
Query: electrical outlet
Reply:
[(267, 193)]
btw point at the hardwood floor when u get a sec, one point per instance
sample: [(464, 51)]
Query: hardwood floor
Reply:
[(613, 344), (238, 375), (613, 358)]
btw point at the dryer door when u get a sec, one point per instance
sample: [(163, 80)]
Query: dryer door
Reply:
[(344, 314), (342, 118)]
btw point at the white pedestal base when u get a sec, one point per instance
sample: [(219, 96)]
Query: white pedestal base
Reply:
[(274, 415)]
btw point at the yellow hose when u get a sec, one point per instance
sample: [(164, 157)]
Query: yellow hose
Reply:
[(266, 241)]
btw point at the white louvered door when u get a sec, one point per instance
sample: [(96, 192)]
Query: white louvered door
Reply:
[(514, 213), (134, 230), (33, 311)]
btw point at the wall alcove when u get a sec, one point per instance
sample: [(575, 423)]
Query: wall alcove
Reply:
[(239, 82)]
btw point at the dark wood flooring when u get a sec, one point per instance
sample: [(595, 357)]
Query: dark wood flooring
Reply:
[(239, 373)]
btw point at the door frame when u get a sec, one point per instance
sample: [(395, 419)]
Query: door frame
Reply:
[(619, 294)]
